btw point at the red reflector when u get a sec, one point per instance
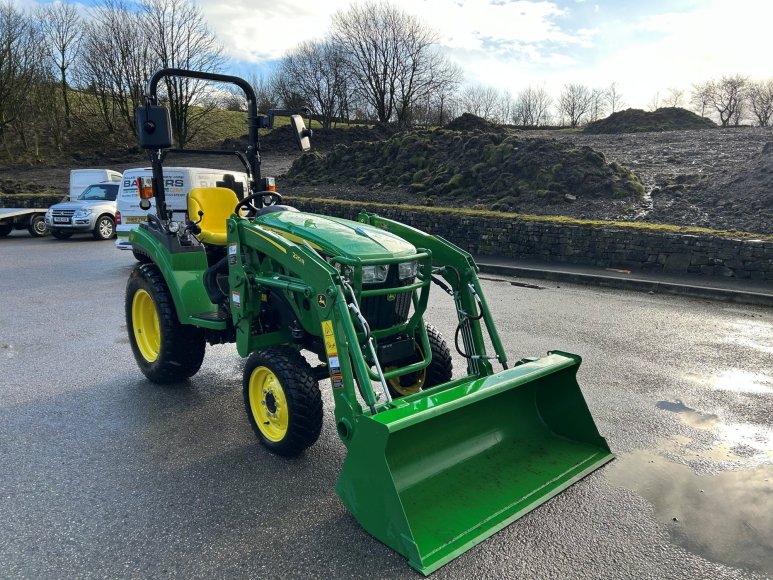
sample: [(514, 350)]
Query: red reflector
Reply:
[(117, 218)]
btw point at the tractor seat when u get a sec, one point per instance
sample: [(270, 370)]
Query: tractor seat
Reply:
[(217, 205)]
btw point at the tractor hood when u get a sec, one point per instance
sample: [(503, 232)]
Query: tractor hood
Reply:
[(335, 236)]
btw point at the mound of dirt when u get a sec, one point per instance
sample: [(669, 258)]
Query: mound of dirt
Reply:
[(469, 122), (639, 121), (497, 170), (282, 140)]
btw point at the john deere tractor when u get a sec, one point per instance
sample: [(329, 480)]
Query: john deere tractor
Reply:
[(434, 464)]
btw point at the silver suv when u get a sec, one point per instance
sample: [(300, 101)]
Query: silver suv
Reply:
[(93, 211)]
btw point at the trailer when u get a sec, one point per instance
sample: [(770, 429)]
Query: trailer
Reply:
[(17, 218)]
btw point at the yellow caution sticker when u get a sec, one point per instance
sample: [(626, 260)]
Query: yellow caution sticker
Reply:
[(333, 362)]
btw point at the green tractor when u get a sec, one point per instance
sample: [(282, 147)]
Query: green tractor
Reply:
[(434, 465)]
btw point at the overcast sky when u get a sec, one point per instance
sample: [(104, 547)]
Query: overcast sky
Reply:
[(646, 46)]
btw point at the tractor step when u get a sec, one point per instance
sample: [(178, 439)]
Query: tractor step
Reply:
[(218, 316)]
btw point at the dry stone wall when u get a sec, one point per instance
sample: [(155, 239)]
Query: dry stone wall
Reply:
[(606, 247)]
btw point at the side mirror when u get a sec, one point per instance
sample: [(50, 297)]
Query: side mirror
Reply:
[(154, 128), (302, 134)]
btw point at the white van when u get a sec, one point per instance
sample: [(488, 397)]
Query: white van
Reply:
[(178, 181), (80, 179)]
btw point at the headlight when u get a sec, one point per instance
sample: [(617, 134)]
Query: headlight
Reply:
[(174, 227), (374, 274), (406, 270), (81, 213)]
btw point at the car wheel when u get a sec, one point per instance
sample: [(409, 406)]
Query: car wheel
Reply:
[(105, 228), (37, 227), (5, 229)]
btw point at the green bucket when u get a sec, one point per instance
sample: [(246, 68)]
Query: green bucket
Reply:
[(444, 470)]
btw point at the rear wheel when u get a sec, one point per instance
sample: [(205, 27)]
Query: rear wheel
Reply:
[(37, 226), (5, 229), (140, 257), (282, 399), (438, 372), (165, 350), (104, 229), (60, 235)]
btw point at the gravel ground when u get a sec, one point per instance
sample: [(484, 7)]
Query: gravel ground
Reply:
[(105, 475)]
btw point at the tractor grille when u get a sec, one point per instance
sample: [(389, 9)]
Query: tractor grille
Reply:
[(385, 311)]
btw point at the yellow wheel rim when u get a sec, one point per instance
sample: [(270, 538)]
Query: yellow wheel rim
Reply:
[(418, 379), (147, 334), (268, 404)]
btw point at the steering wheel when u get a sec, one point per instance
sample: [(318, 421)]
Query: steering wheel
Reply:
[(252, 208)]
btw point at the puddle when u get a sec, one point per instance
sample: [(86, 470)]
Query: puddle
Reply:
[(733, 440), (725, 518), (739, 381), (755, 335), (690, 416)]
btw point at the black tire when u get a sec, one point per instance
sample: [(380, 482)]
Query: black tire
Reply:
[(439, 371), (141, 257), (286, 429), (179, 348), (60, 235), (37, 226), (104, 229), (5, 229)]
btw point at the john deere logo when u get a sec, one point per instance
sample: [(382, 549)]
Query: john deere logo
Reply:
[(391, 297), (321, 300)]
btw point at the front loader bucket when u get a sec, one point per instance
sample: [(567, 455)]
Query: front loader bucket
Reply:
[(445, 470)]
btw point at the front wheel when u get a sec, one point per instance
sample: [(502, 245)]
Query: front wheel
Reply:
[(165, 350), (282, 399), (438, 372), (37, 227), (104, 229)]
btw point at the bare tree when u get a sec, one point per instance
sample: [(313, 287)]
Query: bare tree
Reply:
[(179, 38), (699, 98), (654, 103), (114, 66), (480, 100), (20, 57), (574, 103), (264, 91), (316, 71), (392, 58), (598, 105), (62, 30), (531, 107), (727, 97), (614, 98), (761, 101), (675, 97)]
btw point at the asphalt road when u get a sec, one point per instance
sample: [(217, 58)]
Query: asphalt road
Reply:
[(103, 474)]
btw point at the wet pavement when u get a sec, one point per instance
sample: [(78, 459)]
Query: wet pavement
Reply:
[(103, 474)]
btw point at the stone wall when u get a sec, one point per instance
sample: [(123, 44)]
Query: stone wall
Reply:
[(606, 247)]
